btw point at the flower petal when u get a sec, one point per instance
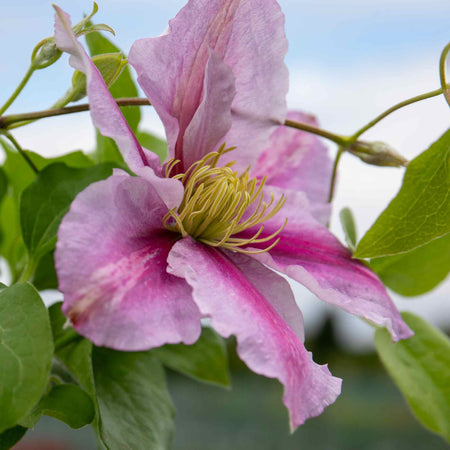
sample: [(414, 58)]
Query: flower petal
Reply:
[(266, 343), (310, 254), (298, 161), (248, 35), (105, 113), (213, 116), (111, 264)]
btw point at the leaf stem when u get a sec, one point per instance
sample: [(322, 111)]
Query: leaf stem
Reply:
[(18, 90), (20, 150)]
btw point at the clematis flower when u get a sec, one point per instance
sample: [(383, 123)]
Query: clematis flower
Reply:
[(141, 259)]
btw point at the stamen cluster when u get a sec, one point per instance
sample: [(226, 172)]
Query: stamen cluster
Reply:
[(219, 204)]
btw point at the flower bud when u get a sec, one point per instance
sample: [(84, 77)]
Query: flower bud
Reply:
[(45, 54), (377, 153), (110, 66)]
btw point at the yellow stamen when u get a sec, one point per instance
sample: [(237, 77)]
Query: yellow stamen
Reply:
[(215, 201)]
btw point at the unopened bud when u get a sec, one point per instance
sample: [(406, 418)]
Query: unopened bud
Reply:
[(377, 153), (45, 54), (110, 66)]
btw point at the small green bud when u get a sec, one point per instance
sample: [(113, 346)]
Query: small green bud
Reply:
[(45, 54), (377, 153), (110, 66)]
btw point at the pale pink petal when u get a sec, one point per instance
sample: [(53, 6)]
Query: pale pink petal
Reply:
[(213, 117), (273, 288), (105, 113), (298, 161), (248, 35), (111, 264), (310, 254), (265, 342)]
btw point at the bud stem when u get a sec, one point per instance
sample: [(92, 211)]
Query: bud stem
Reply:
[(18, 90)]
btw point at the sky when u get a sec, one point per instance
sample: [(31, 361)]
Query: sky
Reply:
[(348, 60)]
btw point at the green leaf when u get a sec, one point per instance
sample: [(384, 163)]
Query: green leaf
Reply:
[(3, 184), (12, 247), (45, 202), (70, 404), (19, 174), (420, 366), (417, 271), (76, 357), (124, 86), (420, 212), (45, 274), (26, 351), (10, 437), (153, 143), (206, 360), (135, 407), (349, 227)]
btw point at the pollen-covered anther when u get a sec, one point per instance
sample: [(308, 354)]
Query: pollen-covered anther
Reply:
[(218, 204)]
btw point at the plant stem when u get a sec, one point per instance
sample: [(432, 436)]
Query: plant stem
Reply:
[(402, 104), (20, 150), (18, 90), (339, 140), (334, 174), (7, 121)]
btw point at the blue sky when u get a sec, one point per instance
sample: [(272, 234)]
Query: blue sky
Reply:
[(349, 60)]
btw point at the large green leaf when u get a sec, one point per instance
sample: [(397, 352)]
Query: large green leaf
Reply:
[(420, 212), (124, 86), (26, 350), (45, 202), (420, 366), (206, 360), (417, 271), (135, 407), (20, 174)]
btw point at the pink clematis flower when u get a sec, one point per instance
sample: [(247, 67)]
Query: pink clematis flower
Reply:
[(141, 259)]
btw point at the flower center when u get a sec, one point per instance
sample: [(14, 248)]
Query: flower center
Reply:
[(218, 204)]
